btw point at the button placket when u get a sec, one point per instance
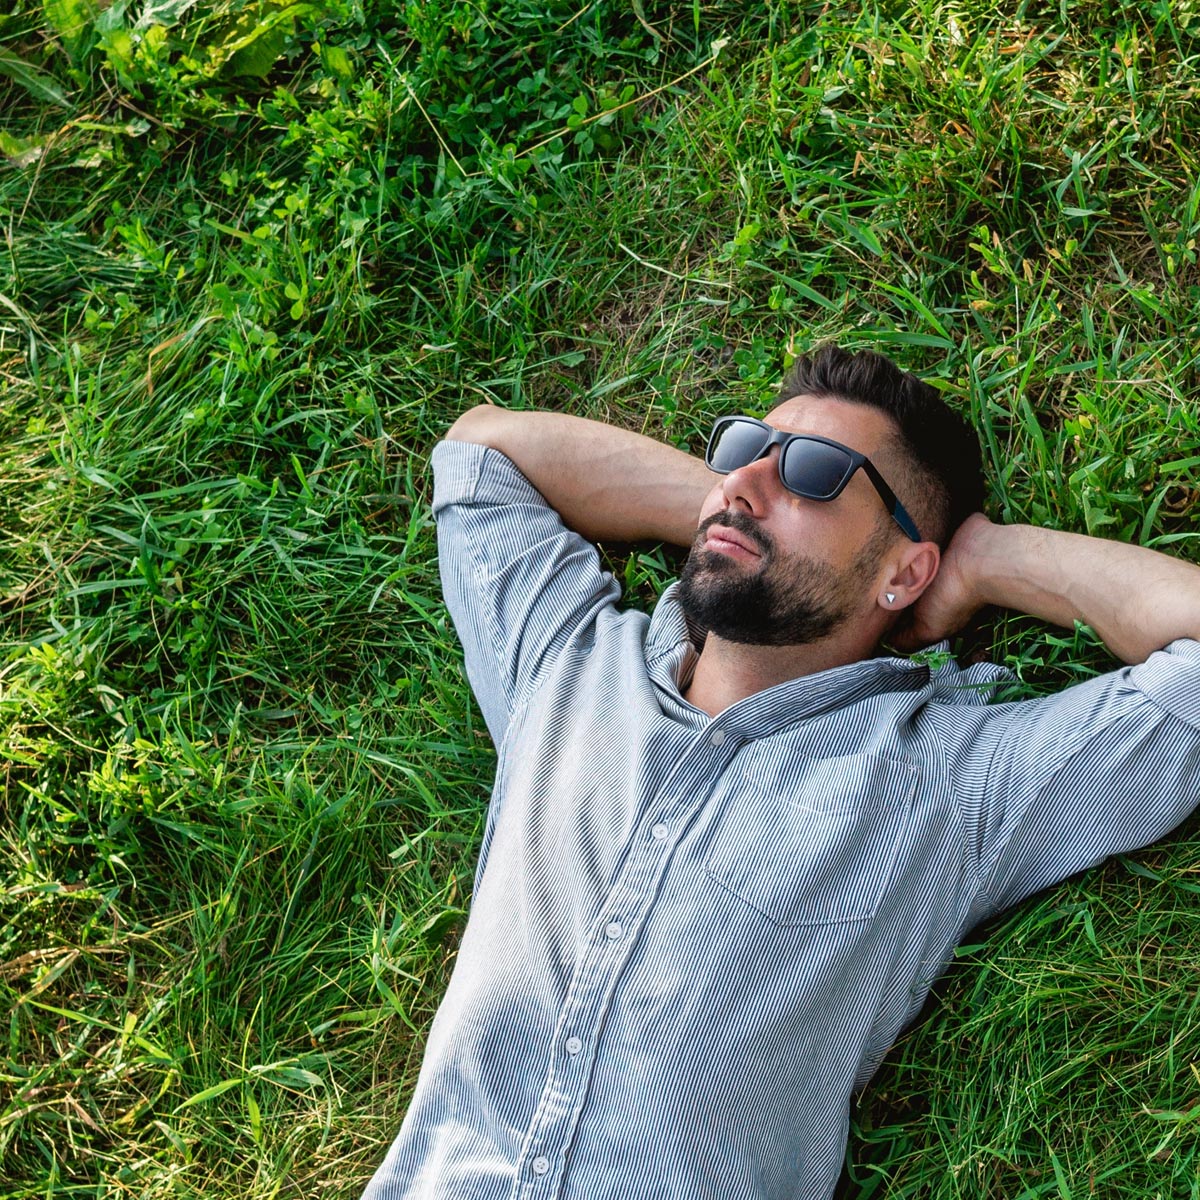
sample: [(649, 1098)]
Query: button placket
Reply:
[(569, 1077), (628, 902)]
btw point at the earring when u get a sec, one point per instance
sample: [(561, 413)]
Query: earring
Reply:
[(890, 597)]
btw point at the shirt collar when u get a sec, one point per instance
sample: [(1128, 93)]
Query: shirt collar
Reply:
[(671, 657)]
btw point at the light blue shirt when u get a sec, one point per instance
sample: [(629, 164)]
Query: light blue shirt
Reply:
[(693, 938)]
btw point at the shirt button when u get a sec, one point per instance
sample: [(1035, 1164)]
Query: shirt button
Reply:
[(541, 1165), (613, 930), (574, 1045), (659, 832), (717, 737)]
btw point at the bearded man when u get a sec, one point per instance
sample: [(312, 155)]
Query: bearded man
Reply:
[(732, 844)]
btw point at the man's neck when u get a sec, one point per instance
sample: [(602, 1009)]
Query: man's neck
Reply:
[(727, 672)]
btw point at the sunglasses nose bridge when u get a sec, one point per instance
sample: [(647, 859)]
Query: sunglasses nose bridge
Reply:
[(776, 438), (771, 454), (749, 485)]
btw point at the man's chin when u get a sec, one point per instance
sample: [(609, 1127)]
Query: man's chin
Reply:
[(736, 602)]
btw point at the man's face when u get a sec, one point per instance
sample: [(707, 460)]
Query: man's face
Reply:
[(772, 568)]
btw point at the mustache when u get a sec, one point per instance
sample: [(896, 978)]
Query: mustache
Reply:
[(732, 519)]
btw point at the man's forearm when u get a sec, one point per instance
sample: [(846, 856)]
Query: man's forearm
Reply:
[(1137, 600), (605, 482)]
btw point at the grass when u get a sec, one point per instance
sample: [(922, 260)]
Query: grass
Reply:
[(256, 257)]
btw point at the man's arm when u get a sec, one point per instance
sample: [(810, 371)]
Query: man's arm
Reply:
[(605, 482), (1137, 600)]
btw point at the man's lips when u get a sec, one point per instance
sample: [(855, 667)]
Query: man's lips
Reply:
[(725, 540)]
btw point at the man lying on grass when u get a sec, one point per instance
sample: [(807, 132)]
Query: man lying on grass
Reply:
[(730, 845)]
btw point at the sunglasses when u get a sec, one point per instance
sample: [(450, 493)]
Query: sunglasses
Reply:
[(813, 467)]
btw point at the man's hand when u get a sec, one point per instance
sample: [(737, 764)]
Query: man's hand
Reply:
[(1137, 600), (952, 599)]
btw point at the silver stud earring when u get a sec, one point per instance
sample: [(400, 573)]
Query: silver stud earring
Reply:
[(890, 597)]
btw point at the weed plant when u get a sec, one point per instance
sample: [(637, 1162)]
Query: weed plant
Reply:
[(258, 255)]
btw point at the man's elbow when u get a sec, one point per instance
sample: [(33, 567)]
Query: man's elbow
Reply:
[(482, 425)]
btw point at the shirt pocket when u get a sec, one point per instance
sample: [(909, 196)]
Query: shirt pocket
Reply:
[(815, 845)]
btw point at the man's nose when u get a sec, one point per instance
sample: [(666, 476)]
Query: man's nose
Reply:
[(749, 488)]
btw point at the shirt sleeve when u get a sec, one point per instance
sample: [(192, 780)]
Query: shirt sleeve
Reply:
[(519, 585), (1105, 767)]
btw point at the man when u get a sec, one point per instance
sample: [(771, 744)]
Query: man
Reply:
[(729, 848)]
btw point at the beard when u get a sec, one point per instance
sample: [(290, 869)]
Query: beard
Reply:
[(786, 601)]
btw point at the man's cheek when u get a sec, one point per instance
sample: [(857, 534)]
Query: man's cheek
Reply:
[(713, 503)]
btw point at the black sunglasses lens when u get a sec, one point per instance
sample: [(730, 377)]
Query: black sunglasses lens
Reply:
[(736, 443), (814, 469)]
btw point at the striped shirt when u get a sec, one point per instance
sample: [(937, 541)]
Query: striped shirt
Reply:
[(693, 937)]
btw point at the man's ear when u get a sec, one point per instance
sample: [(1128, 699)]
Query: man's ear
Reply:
[(909, 573)]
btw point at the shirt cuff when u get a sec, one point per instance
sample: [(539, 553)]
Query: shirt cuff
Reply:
[(1171, 678), (468, 473)]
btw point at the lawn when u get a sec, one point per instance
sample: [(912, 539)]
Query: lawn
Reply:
[(258, 254)]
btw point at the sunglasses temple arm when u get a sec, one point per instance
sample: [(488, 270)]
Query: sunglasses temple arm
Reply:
[(898, 511), (901, 517)]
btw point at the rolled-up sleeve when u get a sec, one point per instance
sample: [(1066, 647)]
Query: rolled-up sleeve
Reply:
[(1102, 768), (519, 585)]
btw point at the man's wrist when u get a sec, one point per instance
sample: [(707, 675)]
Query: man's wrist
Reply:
[(1008, 564)]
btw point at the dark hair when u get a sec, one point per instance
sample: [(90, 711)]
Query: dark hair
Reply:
[(941, 468)]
